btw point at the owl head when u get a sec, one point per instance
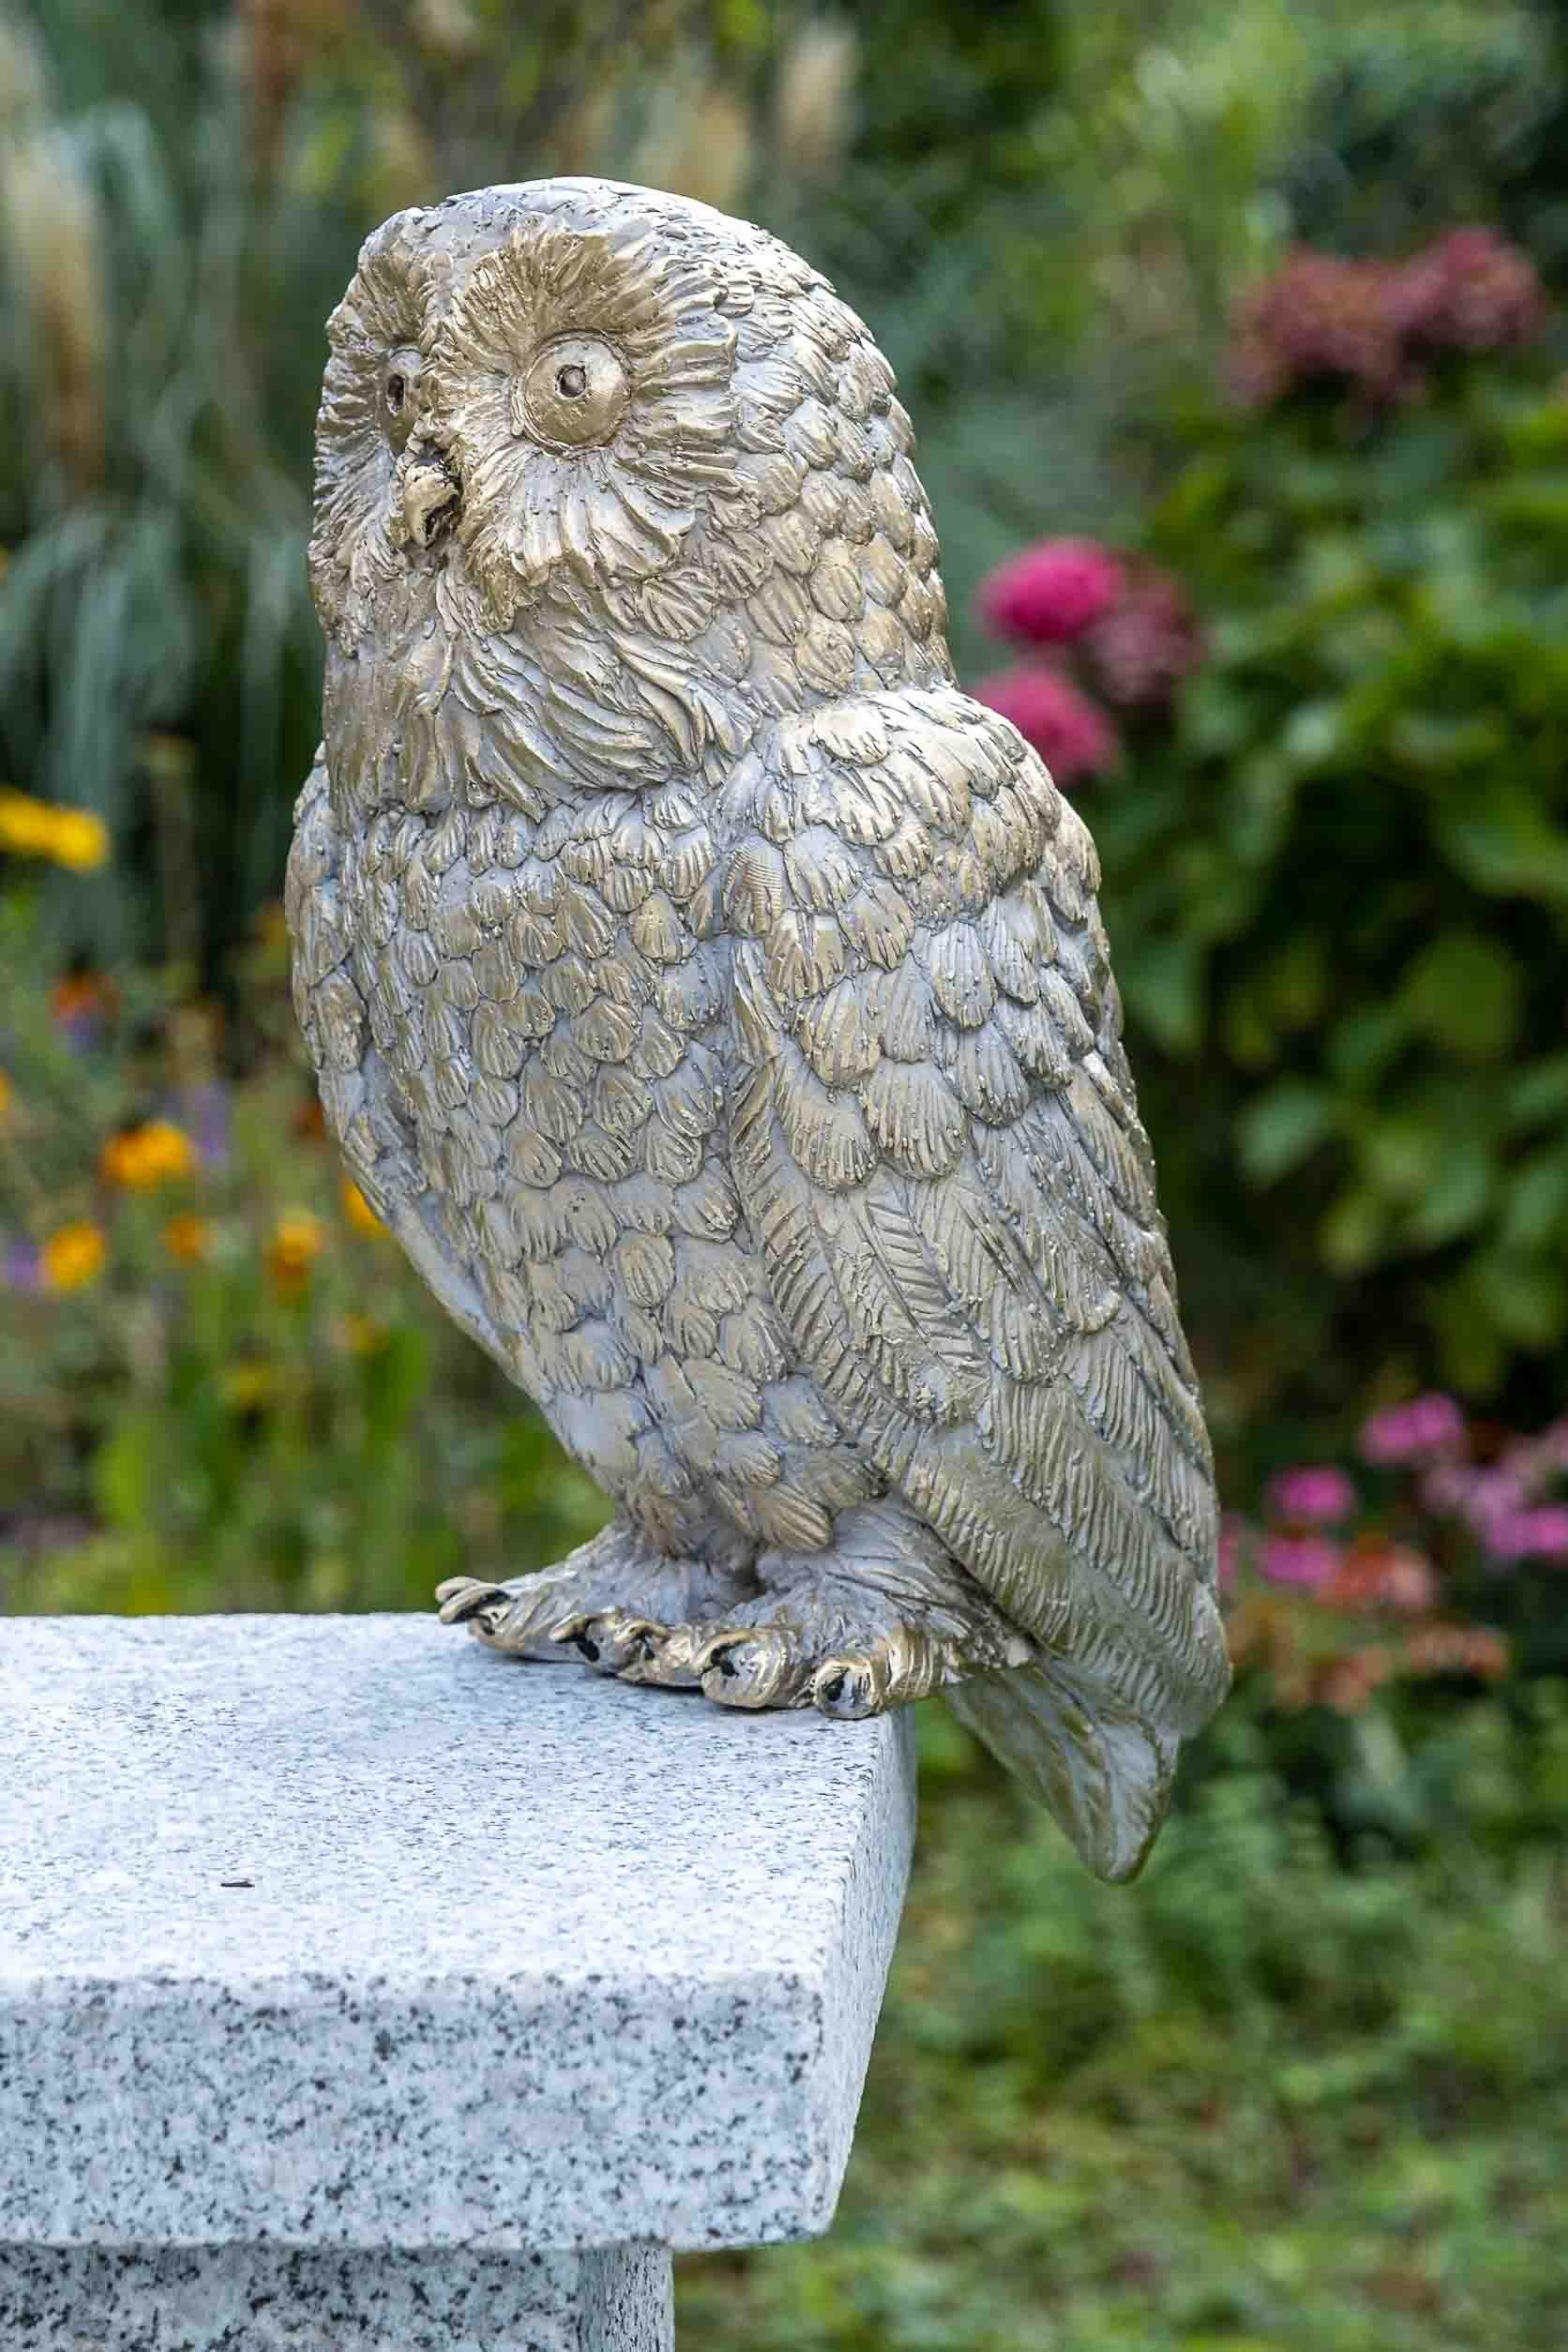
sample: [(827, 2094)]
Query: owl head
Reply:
[(628, 438)]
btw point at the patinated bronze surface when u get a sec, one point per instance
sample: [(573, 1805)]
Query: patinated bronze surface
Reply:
[(713, 1001)]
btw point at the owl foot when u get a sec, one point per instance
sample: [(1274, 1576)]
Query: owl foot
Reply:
[(616, 1579), (764, 1658)]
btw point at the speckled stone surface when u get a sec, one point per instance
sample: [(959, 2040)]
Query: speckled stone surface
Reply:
[(267, 2299), (338, 1932)]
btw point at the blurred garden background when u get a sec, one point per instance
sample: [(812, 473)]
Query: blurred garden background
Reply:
[(1234, 333)]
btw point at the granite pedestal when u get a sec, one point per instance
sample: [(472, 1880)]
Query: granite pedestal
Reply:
[(361, 1990)]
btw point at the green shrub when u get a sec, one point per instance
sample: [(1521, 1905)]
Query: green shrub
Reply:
[(1254, 2102), (1337, 883), (220, 1385)]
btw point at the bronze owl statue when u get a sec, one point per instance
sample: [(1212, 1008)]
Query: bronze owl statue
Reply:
[(713, 1000)]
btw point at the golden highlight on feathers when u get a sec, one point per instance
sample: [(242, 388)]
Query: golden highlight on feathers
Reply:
[(714, 1001)]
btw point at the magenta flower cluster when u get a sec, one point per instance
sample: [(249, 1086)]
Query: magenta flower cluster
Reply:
[(1401, 1435), (1374, 325), (1509, 1503), (1506, 1500), (1128, 627), (1050, 593)]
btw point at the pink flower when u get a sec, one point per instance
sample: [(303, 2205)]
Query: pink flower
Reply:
[(1541, 1533), (1368, 323), (1447, 1488), (1405, 1433), (1072, 736), (1379, 1575), (1314, 1491), (1306, 1560), (1051, 593), (1233, 1534), (1318, 316), (1472, 291), (1494, 1495), (1141, 650)]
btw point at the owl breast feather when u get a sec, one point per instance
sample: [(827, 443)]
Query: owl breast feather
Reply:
[(520, 1027)]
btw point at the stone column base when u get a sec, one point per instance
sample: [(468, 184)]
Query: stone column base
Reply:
[(275, 2298)]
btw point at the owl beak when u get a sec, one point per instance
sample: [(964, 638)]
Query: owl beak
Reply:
[(430, 496)]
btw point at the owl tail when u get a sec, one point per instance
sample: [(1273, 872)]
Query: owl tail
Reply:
[(1103, 1772)]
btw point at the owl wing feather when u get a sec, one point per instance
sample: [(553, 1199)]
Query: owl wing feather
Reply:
[(935, 1136), (358, 1090)]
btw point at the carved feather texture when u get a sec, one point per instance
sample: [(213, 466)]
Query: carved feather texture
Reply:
[(1026, 1231), (713, 1000)]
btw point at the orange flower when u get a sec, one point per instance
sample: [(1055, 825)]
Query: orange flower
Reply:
[(81, 1000), (359, 1211), (1441, 1649), (297, 1241), (1347, 1683), (140, 1158), (73, 1256), (187, 1238)]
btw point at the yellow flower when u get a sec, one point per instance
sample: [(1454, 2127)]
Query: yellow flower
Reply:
[(139, 1158), (7, 1097), (358, 1209), (246, 1386), (73, 838), (187, 1238), (80, 841), (360, 1334), (73, 1256), (297, 1241)]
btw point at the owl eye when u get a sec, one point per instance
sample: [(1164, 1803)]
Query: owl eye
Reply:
[(399, 377), (573, 395)]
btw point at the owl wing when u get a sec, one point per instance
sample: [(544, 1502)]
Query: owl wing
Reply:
[(358, 1091), (935, 1136)]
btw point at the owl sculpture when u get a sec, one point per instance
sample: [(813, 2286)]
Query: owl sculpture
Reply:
[(713, 1000)]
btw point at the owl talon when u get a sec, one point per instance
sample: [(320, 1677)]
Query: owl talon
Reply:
[(466, 1600), (849, 1688), (748, 1665), (614, 1641)]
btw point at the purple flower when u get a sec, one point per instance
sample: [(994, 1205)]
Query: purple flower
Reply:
[(1053, 592), (1072, 736), (1305, 1560), (1233, 1534), (1538, 1533), (19, 1267), (1314, 1491), (203, 1113), (1407, 1433)]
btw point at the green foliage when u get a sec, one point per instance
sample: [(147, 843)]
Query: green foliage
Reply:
[(183, 192), (1339, 889), (1255, 2103), (255, 1402), (1303, 2086)]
